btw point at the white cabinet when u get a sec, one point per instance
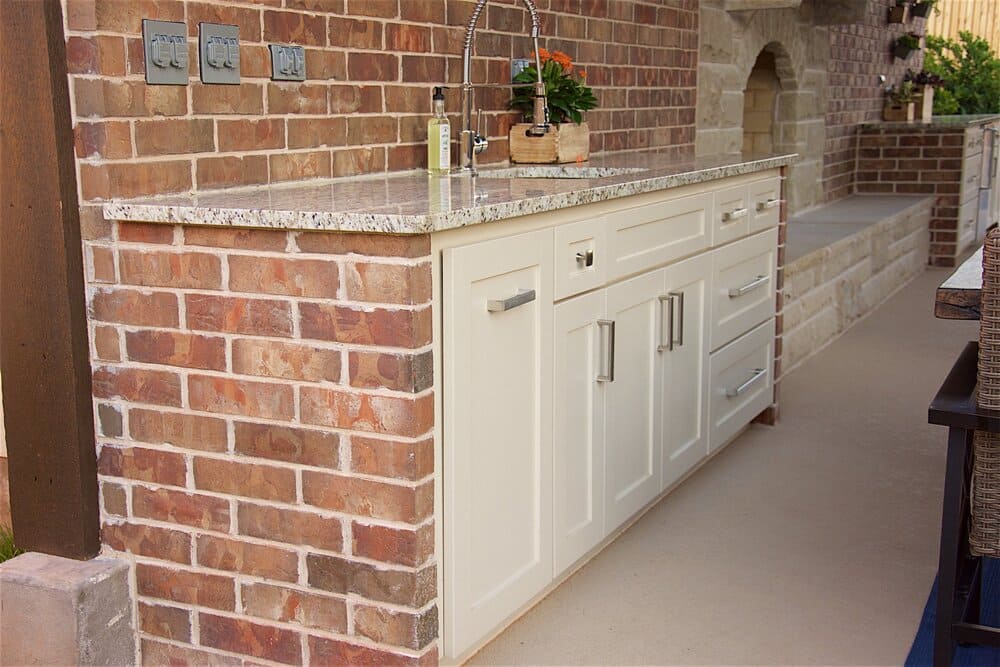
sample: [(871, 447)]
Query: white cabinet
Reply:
[(684, 377), (740, 381), (497, 430)]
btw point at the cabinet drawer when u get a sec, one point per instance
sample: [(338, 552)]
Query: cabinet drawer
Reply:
[(765, 204), (741, 377), (971, 169), (743, 286), (581, 257), (730, 214), (647, 236)]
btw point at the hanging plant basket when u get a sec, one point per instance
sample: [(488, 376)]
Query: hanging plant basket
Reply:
[(922, 9), (899, 13), (899, 113), (905, 45)]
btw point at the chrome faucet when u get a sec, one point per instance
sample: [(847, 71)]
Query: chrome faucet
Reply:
[(472, 141)]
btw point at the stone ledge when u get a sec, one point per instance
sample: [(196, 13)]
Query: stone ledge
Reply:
[(58, 611), (750, 5)]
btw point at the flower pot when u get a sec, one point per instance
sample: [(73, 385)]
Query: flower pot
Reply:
[(898, 113), (923, 100), (902, 51), (899, 14), (564, 142), (922, 10)]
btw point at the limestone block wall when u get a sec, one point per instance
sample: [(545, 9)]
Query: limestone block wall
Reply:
[(830, 289)]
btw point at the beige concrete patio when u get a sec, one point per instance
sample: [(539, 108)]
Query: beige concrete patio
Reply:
[(813, 542)]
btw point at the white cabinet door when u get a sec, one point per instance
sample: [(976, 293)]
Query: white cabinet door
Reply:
[(632, 451), (497, 431), (581, 357), (684, 352)]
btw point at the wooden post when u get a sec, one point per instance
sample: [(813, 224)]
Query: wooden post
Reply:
[(48, 409)]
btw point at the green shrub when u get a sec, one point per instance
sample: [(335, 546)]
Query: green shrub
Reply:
[(7, 548), (971, 73)]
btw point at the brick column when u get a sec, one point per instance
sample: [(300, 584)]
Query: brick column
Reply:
[(265, 412)]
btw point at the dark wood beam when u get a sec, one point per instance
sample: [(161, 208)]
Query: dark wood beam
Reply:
[(44, 357)]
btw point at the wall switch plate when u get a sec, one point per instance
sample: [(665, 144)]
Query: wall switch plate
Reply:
[(288, 63), (219, 51), (166, 47)]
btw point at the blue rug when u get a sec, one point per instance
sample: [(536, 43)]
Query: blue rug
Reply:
[(922, 651)]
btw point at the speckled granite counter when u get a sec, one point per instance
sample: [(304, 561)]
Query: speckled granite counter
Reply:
[(413, 203)]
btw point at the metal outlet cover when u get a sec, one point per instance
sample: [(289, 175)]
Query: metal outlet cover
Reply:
[(288, 63), (219, 53), (166, 48)]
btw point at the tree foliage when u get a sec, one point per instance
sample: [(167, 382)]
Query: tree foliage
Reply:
[(971, 73)]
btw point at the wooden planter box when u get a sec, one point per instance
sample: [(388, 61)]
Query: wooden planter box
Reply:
[(899, 14), (564, 142), (898, 113), (924, 102), (921, 10), (902, 51)]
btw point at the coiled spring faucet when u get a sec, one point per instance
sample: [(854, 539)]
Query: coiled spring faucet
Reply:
[(472, 141)]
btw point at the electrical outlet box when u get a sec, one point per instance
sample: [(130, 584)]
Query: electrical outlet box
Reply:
[(166, 47), (288, 63), (219, 51), (518, 65)]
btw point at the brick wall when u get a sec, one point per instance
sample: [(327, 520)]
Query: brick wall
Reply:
[(858, 54), (370, 65), (919, 160), (265, 420)]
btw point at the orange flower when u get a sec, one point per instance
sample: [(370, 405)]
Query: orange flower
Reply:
[(583, 73), (561, 58)]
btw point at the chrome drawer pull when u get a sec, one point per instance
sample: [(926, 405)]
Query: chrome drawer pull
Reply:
[(680, 323), (607, 363), (501, 305), (758, 373), (765, 205), (735, 214), (759, 281), (585, 258)]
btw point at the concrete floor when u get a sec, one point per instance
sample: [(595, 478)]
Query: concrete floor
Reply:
[(813, 542)]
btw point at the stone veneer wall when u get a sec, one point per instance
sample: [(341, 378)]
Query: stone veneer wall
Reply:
[(266, 458), (829, 85), (919, 159)]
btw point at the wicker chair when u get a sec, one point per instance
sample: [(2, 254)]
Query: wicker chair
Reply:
[(969, 404)]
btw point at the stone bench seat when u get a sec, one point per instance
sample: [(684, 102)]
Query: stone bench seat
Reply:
[(843, 260)]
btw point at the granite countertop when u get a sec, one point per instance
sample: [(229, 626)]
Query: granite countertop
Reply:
[(415, 203), (936, 121)]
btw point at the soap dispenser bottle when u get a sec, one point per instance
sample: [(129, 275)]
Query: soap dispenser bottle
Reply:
[(438, 138)]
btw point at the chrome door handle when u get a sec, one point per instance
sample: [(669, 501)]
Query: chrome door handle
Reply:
[(758, 373), (669, 301), (735, 214), (680, 318), (502, 305), (759, 281), (765, 205), (607, 362)]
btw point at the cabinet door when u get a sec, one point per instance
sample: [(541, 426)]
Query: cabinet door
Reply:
[(497, 431), (632, 452), (581, 357), (684, 351)]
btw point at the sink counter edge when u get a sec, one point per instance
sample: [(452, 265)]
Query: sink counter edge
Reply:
[(414, 203)]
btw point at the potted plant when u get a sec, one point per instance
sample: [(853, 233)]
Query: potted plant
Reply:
[(905, 45), (922, 8), (899, 105), (899, 13), (923, 96), (568, 97)]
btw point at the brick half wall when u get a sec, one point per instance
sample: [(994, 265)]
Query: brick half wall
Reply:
[(265, 416)]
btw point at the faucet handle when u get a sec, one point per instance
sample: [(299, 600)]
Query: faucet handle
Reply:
[(479, 141)]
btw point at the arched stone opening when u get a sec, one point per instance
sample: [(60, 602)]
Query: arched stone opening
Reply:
[(760, 99)]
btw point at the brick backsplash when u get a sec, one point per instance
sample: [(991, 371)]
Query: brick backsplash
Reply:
[(265, 413), (371, 65)]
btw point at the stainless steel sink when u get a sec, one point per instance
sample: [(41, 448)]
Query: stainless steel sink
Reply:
[(559, 172)]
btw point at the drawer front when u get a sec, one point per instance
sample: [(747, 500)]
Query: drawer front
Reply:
[(581, 257), (730, 214), (743, 286), (765, 204), (740, 384), (647, 236), (971, 173)]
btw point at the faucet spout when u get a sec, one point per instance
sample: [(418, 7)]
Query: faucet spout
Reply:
[(471, 141)]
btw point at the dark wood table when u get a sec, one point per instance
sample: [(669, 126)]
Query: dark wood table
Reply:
[(959, 297)]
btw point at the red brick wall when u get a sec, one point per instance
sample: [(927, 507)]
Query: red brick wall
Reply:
[(370, 66), (858, 54), (265, 418)]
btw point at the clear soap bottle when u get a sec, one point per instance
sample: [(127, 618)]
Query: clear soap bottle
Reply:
[(438, 138)]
